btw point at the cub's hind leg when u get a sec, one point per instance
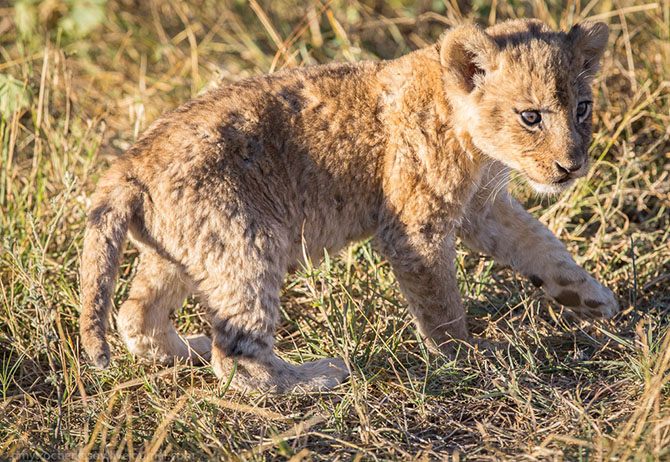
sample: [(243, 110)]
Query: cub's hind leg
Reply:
[(242, 292), (159, 288)]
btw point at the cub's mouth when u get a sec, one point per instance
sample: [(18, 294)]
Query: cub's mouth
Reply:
[(551, 187), (553, 184)]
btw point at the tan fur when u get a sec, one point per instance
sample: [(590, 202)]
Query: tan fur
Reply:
[(219, 194)]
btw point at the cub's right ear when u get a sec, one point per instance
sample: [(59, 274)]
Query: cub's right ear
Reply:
[(467, 54)]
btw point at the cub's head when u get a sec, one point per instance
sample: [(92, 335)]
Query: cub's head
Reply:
[(523, 94)]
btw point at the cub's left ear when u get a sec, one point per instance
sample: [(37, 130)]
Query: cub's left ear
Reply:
[(590, 40)]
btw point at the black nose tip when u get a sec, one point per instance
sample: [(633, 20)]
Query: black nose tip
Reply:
[(568, 168)]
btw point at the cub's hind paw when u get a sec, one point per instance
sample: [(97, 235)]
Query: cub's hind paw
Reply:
[(270, 374), (169, 346)]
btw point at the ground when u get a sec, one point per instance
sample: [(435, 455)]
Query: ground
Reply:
[(80, 79)]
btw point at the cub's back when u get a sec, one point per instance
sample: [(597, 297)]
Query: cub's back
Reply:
[(292, 148)]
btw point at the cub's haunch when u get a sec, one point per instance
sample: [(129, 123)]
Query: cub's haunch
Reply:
[(219, 193)]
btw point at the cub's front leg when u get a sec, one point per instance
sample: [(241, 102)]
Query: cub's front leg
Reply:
[(422, 256), (502, 228)]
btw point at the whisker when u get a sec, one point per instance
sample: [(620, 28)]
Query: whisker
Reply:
[(502, 184)]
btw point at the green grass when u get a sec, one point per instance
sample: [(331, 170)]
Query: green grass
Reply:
[(79, 80)]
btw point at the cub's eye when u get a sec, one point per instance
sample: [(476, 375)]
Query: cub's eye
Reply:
[(583, 110), (531, 118)]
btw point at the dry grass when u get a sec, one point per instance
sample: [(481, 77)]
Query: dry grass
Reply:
[(557, 391)]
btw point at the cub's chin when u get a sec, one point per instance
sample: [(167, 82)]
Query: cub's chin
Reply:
[(550, 188)]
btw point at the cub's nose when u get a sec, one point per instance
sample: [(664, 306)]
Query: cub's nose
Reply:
[(567, 169)]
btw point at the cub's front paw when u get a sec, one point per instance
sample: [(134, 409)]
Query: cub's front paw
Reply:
[(585, 296)]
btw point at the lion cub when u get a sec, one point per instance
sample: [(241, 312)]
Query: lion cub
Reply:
[(219, 194)]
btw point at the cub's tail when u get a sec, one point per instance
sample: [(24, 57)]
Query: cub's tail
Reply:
[(114, 204)]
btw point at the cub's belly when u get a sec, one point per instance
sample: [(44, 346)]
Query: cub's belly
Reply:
[(330, 229)]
